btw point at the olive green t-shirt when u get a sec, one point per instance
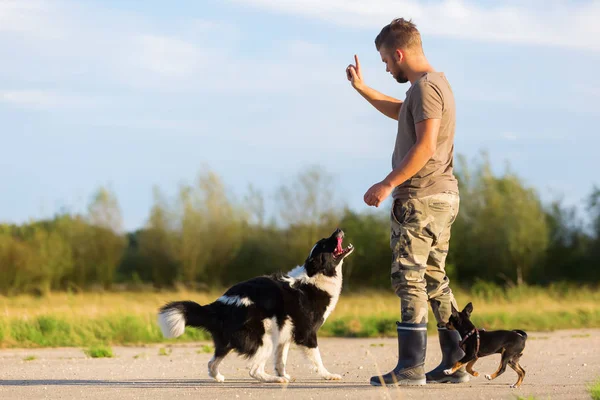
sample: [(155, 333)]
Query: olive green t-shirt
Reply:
[(429, 97)]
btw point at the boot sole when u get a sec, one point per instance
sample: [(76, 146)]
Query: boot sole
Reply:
[(406, 382), (450, 380)]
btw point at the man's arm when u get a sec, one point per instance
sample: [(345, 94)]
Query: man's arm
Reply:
[(416, 158), (421, 152), (387, 105)]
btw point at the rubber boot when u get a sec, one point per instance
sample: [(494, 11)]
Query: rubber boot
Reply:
[(451, 353), (412, 344)]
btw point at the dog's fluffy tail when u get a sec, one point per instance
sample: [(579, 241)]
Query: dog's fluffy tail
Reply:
[(520, 332), (175, 316)]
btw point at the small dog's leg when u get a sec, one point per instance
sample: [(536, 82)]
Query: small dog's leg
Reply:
[(470, 368), (501, 368), (313, 354), (455, 368), (519, 370)]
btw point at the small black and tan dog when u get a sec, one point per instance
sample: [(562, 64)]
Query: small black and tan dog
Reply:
[(476, 344)]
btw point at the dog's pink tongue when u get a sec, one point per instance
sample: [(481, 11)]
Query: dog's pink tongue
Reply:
[(339, 245)]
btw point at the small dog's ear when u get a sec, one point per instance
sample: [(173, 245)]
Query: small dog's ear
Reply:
[(468, 309)]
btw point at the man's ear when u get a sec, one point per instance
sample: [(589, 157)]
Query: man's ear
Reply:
[(398, 55)]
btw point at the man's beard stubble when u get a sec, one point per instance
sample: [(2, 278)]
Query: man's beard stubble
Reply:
[(400, 77)]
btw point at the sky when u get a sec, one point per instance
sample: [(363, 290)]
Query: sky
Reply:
[(136, 94)]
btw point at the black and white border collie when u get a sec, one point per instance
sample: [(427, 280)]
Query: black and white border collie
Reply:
[(261, 317)]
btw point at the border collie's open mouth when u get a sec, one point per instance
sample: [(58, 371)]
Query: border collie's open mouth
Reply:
[(341, 252)]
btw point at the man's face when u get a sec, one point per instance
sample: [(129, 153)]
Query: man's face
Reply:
[(393, 63)]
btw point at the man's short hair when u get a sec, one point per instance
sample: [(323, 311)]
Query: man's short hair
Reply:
[(399, 34)]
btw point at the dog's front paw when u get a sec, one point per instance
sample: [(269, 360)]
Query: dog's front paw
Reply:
[(475, 374), (448, 371), (285, 375), (488, 377), (219, 378), (332, 377)]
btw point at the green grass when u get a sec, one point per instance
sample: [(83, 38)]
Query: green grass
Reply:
[(378, 326), (58, 331), (594, 390), (92, 319), (538, 338), (205, 349), (30, 358), (99, 352), (164, 352)]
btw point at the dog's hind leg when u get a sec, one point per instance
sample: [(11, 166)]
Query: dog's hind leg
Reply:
[(221, 352), (283, 345), (311, 351), (257, 370), (501, 367), (281, 359), (514, 364), (470, 369), (213, 365), (313, 354)]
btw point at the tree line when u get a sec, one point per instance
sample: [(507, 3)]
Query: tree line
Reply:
[(203, 238)]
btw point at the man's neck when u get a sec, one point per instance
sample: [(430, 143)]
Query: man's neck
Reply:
[(418, 70)]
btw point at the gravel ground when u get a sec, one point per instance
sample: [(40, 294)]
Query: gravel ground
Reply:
[(559, 365)]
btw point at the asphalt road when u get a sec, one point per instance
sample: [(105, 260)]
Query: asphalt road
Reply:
[(559, 365)]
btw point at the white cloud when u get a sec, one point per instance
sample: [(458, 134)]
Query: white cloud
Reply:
[(32, 18), (43, 99), (166, 56), (587, 90), (552, 23)]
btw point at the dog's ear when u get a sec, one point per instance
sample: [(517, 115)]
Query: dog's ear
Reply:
[(453, 309), (468, 309), (313, 266)]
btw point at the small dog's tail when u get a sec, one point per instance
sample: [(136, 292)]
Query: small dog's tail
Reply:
[(520, 332), (175, 316)]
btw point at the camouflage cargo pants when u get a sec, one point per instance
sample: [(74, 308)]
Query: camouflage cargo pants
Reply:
[(420, 238)]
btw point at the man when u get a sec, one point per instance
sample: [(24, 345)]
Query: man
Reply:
[(425, 201)]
